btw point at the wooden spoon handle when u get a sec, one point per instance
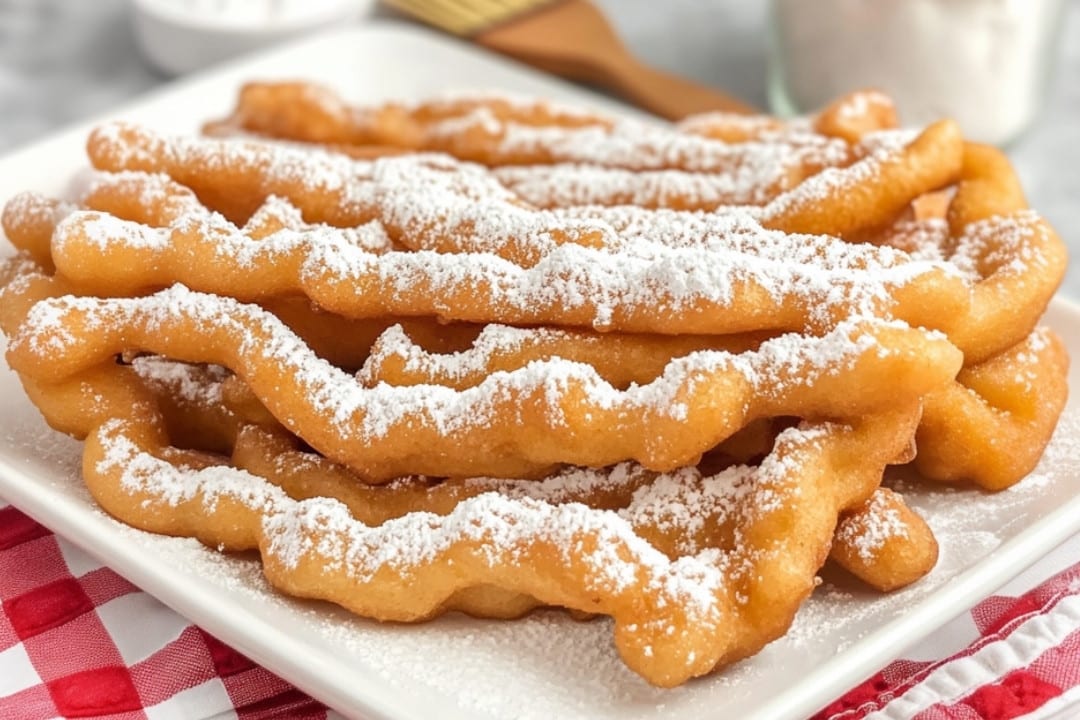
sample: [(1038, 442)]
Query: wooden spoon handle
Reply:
[(573, 39), (668, 95)]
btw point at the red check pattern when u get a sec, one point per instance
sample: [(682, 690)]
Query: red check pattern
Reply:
[(79, 641), (1024, 655)]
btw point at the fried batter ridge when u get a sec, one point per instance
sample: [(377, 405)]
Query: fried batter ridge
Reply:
[(562, 411), (734, 278)]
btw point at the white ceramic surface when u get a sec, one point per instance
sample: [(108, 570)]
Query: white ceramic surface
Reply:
[(547, 665), (178, 39)]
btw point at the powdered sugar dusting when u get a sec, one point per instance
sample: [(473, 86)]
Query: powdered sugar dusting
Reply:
[(192, 384), (425, 201), (828, 183), (597, 261), (637, 145), (879, 523), (777, 366), (30, 209), (1003, 245), (669, 258), (568, 185)]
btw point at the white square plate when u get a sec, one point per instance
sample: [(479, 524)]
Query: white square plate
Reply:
[(546, 666)]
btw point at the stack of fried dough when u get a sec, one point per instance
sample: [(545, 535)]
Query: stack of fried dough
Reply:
[(488, 353)]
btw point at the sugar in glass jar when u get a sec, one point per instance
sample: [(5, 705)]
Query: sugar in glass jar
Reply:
[(985, 63)]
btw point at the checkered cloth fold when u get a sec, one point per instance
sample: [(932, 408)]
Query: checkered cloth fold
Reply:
[(79, 641)]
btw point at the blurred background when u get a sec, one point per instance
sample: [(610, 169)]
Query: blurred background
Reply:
[(67, 60)]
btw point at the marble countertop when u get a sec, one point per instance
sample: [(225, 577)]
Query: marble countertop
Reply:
[(65, 60)]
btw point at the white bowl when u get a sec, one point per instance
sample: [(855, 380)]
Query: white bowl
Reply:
[(178, 37)]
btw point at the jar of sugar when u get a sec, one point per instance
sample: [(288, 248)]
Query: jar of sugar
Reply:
[(985, 63)]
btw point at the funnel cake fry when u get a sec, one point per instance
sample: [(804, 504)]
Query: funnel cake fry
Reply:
[(511, 131), (551, 412), (991, 426)]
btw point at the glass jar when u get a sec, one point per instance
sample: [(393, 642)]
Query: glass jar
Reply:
[(984, 63)]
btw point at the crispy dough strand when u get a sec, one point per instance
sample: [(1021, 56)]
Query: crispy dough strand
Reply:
[(1019, 259), (363, 428), (992, 425), (674, 620), (884, 542), (520, 131)]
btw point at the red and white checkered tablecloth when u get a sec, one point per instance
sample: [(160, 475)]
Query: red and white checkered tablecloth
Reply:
[(79, 641)]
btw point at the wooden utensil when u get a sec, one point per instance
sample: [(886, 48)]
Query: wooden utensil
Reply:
[(571, 38)]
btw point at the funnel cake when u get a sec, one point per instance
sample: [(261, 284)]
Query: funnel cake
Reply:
[(417, 384)]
